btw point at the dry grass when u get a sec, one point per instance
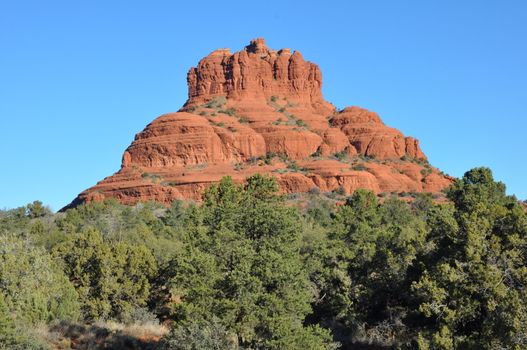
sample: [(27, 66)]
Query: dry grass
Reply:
[(102, 336), (138, 330)]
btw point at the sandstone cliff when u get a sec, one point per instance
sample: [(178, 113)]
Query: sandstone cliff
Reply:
[(262, 111)]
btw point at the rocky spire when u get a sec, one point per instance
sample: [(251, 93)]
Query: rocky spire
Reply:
[(256, 73), (257, 46)]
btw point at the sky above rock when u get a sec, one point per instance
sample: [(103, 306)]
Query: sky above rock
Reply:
[(79, 80)]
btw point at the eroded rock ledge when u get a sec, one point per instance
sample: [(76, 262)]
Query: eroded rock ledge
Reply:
[(262, 111)]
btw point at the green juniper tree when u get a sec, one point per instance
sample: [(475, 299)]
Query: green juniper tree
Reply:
[(111, 279), (242, 265), (33, 284), (472, 291)]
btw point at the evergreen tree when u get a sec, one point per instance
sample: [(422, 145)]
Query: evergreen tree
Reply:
[(472, 291), (110, 278), (244, 268), (7, 326), (13, 337), (34, 285)]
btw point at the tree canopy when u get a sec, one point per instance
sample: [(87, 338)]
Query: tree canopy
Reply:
[(247, 269)]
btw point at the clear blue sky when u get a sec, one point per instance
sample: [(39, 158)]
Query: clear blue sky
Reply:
[(78, 79)]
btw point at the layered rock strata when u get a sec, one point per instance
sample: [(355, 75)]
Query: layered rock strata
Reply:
[(262, 111)]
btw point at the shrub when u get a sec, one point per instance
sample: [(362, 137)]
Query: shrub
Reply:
[(342, 155), (217, 102), (427, 170), (37, 210), (152, 177), (16, 337), (368, 158), (230, 111), (293, 196), (300, 123), (7, 326), (359, 167), (315, 191), (268, 158), (421, 161), (243, 120), (340, 191), (139, 316), (293, 166), (34, 285), (197, 335), (317, 153), (110, 278)]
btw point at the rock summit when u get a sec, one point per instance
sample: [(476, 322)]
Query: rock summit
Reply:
[(262, 111)]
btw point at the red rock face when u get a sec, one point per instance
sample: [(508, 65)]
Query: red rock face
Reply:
[(262, 111), (254, 75)]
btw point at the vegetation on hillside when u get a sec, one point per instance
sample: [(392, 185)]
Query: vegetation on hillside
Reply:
[(248, 270)]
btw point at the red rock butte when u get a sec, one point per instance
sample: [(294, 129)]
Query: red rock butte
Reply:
[(262, 111)]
